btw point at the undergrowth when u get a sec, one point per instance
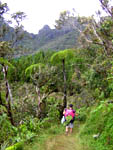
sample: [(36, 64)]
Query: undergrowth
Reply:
[(39, 142), (97, 132)]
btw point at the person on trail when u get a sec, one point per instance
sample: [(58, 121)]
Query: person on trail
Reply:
[(69, 112)]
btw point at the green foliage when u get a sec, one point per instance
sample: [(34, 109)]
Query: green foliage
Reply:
[(3, 97), (82, 114), (5, 49), (106, 28), (5, 62), (25, 62), (5, 128), (17, 146), (45, 124), (30, 123), (53, 112), (100, 122), (3, 109), (58, 57), (34, 68), (24, 132), (88, 79), (68, 119)]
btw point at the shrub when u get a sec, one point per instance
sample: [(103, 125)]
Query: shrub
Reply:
[(5, 128), (82, 114), (100, 122)]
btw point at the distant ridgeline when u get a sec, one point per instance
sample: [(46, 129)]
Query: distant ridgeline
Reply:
[(47, 38)]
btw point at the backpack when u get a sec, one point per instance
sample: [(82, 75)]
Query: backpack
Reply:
[(70, 112)]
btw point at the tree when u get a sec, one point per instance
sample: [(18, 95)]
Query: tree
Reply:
[(5, 64), (106, 6), (18, 34), (6, 49), (17, 17), (3, 28), (60, 57), (39, 75)]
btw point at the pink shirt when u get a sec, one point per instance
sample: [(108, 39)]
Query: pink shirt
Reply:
[(69, 112)]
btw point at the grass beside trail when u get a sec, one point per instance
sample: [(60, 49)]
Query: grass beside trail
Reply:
[(57, 140)]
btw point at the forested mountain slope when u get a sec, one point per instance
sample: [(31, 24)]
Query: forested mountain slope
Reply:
[(47, 38)]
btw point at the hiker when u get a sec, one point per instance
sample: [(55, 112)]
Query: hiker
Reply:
[(69, 112)]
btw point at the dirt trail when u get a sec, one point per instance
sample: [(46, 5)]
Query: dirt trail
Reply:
[(60, 142), (64, 142)]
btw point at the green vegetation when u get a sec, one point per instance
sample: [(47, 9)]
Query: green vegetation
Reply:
[(34, 89), (99, 126)]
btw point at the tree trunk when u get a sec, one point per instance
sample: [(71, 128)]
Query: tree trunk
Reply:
[(65, 88), (8, 94), (10, 115), (39, 100)]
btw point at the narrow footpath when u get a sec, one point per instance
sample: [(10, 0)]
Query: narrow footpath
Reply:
[(60, 142), (64, 142)]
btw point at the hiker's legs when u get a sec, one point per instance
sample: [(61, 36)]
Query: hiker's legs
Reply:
[(67, 128), (71, 127)]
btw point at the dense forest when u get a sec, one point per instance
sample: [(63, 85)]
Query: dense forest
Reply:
[(41, 74)]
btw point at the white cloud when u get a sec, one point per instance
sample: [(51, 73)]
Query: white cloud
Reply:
[(41, 12)]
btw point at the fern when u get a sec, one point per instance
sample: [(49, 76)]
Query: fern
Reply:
[(35, 67), (62, 55)]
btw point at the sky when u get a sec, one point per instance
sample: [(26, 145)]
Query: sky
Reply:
[(42, 12)]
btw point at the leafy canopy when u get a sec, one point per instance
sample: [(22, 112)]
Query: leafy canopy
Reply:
[(33, 68), (58, 57)]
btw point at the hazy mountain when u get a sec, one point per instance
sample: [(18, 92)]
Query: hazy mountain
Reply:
[(46, 38)]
